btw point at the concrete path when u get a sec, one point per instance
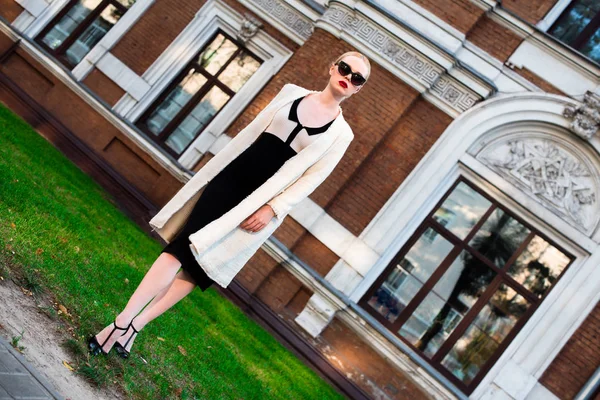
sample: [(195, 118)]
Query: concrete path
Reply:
[(19, 380)]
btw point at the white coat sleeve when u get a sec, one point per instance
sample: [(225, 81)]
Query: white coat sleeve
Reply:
[(309, 181)]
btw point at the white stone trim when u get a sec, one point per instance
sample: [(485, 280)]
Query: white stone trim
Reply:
[(565, 74), (123, 76), (111, 38), (33, 7), (577, 291), (293, 18), (212, 16), (554, 13), (37, 24)]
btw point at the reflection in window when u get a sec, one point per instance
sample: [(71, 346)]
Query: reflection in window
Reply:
[(458, 295), (453, 295), (499, 237), (79, 27), (485, 334), (414, 268), (579, 27), (200, 91)]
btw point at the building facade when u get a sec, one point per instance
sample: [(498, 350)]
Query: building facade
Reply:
[(454, 251)]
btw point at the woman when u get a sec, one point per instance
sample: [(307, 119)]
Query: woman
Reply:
[(255, 180)]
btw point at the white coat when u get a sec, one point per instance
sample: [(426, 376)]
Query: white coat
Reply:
[(221, 247)]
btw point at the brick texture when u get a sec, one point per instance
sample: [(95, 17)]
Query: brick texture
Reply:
[(539, 82), (494, 38), (161, 24), (10, 10), (577, 360), (137, 167), (104, 87), (531, 11), (461, 14), (389, 164)]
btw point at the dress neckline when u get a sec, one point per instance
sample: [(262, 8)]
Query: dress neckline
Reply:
[(293, 116)]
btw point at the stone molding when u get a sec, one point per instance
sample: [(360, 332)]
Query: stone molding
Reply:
[(585, 118), (404, 60)]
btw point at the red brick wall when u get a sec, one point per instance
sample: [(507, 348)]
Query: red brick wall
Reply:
[(461, 14), (531, 11), (137, 167), (104, 87), (142, 45), (494, 38), (539, 82), (10, 9), (389, 163), (577, 361)]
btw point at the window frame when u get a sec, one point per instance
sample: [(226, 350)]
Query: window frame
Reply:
[(589, 30), (59, 52), (502, 277), (212, 80)]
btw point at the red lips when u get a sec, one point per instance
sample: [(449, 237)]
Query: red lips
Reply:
[(343, 84)]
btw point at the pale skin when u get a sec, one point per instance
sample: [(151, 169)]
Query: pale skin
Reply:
[(164, 284)]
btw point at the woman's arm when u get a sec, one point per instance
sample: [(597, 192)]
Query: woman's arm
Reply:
[(310, 180)]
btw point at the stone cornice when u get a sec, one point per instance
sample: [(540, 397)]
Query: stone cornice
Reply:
[(409, 56)]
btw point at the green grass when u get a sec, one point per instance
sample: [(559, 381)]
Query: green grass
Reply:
[(62, 235)]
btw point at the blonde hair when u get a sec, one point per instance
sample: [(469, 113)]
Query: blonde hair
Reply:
[(359, 55)]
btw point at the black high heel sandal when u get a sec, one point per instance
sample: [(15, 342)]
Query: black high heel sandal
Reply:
[(119, 348), (96, 348)]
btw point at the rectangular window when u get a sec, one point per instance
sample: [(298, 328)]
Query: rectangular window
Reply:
[(465, 283), (79, 27), (198, 93), (579, 27)]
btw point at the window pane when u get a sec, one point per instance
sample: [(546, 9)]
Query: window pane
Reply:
[(67, 24), (591, 47), (499, 237), (538, 266), (218, 52), (462, 210), (93, 34), (573, 22), (452, 297), (409, 275), (239, 71), (175, 101), (485, 334), (187, 131)]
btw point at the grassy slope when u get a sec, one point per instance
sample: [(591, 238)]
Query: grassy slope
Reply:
[(65, 232)]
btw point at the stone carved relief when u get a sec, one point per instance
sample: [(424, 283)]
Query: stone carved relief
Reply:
[(249, 28), (552, 174), (402, 56), (585, 118), (287, 16)]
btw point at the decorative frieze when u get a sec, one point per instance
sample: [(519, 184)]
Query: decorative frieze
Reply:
[(287, 16), (585, 119), (552, 173), (402, 56)]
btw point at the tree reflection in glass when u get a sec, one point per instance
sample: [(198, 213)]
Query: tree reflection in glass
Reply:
[(538, 266), (453, 295), (499, 237), (485, 334)]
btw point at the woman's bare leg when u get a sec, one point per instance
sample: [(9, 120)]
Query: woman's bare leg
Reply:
[(158, 278), (182, 285)]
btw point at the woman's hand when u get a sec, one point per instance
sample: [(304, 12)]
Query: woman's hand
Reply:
[(259, 219)]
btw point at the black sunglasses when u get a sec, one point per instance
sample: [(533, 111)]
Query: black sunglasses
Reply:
[(356, 78)]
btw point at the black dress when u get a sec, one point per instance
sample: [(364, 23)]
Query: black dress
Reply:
[(231, 185)]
